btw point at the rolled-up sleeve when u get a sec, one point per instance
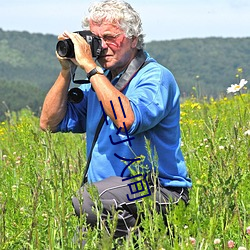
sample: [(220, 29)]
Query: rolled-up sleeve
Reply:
[(75, 117)]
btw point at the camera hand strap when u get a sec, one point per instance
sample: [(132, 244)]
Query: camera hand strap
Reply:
[(136, 64)]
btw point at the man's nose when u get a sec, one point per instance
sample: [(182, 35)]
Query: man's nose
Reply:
[(104, 44)]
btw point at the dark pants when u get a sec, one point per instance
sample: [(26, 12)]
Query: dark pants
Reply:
[(115, 194)]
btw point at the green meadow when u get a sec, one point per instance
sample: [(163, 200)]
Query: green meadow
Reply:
[(40, 172)]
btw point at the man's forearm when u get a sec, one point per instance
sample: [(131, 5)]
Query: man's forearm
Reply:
[(106, 92), (55, 103)]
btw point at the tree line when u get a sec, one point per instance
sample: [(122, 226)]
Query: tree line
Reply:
[(202, 67)]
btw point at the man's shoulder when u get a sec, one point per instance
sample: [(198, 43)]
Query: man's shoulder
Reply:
[(154, 68)]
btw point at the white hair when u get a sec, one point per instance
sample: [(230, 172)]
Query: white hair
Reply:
[(120, 13)]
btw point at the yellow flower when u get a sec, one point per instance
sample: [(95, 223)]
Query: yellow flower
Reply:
[(240, 70), (195, 105)]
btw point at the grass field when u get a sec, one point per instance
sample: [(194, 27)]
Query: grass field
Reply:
[(40, 172)]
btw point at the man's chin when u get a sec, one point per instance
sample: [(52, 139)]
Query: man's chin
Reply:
[(105, 63)]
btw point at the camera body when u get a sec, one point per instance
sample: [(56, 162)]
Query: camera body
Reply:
[(65, 48)]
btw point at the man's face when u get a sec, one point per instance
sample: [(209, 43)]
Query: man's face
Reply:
[(118, 50)]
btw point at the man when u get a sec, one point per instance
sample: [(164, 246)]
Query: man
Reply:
[(139, 99)]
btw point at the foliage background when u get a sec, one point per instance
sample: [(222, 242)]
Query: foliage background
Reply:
[(40, 172)]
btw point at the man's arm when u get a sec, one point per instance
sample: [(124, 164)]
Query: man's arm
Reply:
[(55, 103), (105, 91)]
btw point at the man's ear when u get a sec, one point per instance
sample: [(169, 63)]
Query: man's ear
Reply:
[(134, 42)]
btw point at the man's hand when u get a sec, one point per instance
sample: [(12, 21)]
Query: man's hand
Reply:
[(66, 63), (83, 54)]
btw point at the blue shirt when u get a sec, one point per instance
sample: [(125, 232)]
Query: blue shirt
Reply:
[(154, 98)]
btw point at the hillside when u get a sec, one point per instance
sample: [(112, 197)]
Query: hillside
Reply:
[(211, 63), (28, 57), (28, 66)]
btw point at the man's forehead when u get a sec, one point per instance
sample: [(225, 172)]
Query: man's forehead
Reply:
[(104, 27)]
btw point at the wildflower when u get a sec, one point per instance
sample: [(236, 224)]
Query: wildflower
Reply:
[(192, 240), (248, 230), (14, 188), (45, 216), (242, 248), (216, 241), (198, 182), (22, 210), (195, 106), (221, 147), (230, 244), (240, 70), (247, 133), (237, 87)]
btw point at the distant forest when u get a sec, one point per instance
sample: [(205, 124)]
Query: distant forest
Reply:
[(202, 67)]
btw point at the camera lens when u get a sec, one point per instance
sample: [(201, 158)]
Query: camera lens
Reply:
[(65, 48), (75, 95)]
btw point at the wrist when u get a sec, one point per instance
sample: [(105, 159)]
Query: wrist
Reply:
[(89, 67), (97, 70), (65, 73)]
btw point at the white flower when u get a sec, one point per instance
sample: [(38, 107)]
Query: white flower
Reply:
[(22, 210), (237, 87), (242, 248), (217, 241), (246, 133), (14, 188)]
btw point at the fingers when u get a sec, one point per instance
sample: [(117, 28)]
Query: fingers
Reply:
[(63, 36), (75, 37), (67, 35), (72, 36), (66, 60)]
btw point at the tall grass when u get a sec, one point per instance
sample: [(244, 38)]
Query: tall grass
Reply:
[(40, 172)]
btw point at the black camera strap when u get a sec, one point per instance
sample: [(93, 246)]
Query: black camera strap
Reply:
[(136, 64)]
